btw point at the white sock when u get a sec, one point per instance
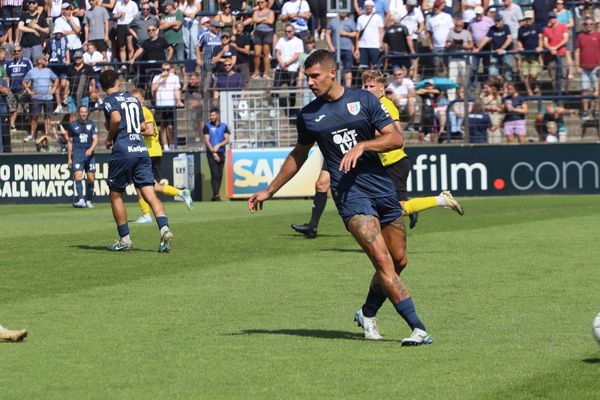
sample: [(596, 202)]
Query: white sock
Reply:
[(164, 229), (126, 239), (147, 216), (441, 202)]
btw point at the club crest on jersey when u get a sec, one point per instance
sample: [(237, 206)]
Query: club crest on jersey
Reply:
[(353, 108), (88, 126)]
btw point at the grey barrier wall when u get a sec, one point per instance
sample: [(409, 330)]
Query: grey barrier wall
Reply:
[(46, 178)]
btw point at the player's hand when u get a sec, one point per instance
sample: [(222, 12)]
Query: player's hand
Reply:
[(108, 143), (255, 202), (88, 153), (70, 164), (350, 159), (217, 158)]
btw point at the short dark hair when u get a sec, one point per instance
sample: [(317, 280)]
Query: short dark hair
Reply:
[(108, 79), (321, 56), (215, 110)]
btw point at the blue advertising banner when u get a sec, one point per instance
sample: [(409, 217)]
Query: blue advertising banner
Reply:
[(46, 178), (468, 170)]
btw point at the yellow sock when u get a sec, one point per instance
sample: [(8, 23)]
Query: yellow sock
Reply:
[(170, 190), (145, 207), (419, 204)]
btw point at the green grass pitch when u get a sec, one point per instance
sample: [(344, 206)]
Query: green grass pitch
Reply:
[(243, 308)]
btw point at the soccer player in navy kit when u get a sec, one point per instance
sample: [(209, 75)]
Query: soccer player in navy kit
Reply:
[(129, 160), (343, 122), (83, 139)]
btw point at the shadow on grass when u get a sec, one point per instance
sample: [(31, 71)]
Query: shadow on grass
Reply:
[(103, 248), (344, 250), (314, 333), (591, 360)]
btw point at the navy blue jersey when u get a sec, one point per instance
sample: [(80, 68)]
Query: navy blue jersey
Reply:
[(337, 126), (128, 143), (498, 36), (82, 134), (528, 36), (516, 102), (16, 71)]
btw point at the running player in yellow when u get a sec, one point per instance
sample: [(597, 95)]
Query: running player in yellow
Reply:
[(151, 136), (396, 164)]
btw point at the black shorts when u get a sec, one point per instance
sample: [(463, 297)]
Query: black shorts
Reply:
[(165, 116), (156, 168), (398, 172), (100, 45), (122, 33), (262, 38), (12, 12)]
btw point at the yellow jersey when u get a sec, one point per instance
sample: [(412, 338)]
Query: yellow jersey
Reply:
[(393, 156), (152, 143)]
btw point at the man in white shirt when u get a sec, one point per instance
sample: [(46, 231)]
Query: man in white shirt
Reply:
[(287, 51), (124, 12), (70, 26), (166, 90), (439, 25), (297, 13), (370, 36), (404, 93)]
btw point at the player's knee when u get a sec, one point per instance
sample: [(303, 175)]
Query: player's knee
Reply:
[(322, 186), (400, 264)]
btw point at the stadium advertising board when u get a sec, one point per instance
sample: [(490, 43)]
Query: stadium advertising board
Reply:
[(466, 170), (46, 178), (251, 170)]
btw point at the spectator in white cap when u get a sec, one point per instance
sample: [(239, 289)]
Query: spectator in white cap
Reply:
[(479, 28), (70, 26), (530, 39), (370, 36)]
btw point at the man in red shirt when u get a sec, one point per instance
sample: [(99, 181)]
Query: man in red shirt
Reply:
[(587, 59), (556, 36)]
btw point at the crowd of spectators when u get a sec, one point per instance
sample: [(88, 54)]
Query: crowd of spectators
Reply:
[(185, 52)]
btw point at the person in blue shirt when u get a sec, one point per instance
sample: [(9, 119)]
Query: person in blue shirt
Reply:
[(83, 139), (16, 71), (216, 137), (41, 84), (343, 122), (502, 42), (129, 161)]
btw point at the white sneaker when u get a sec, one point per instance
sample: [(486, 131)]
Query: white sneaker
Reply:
[(144, 219), (369, 325), (451, 202), (28, 138), (187, 197), (419, 337), (89, 204), (166, 237), (79, 204), (58, 109)]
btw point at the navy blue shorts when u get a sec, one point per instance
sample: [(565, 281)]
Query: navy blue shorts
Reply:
[(84, 164), (122, 172), (387, 209)]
